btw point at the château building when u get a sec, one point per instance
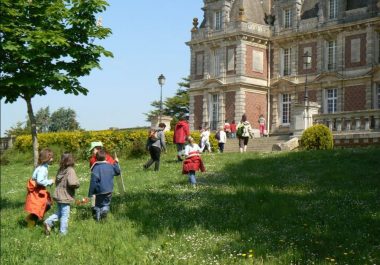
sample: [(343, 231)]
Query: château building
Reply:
[(297, 62)]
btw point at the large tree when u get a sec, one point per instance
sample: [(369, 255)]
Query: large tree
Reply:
[(176, 106), (48, 44)]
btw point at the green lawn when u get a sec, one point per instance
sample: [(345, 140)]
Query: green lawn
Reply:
[(281, 208)]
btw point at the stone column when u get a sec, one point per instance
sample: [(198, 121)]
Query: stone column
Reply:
[(205, 117), (239, 104)]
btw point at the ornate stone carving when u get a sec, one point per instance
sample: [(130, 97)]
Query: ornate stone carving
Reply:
[(195, 25)]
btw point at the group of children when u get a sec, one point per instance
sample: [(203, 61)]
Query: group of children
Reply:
[(105, 167), (38, 201)]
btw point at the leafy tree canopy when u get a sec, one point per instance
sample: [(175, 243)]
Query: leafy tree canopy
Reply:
[(48, 44), (63, 120)]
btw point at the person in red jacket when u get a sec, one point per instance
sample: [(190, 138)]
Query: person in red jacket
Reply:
[(181, 132), (95, 147)]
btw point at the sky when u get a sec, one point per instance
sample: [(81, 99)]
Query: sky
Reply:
[(148, 39)]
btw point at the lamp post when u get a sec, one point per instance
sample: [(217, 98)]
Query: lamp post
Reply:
[(307, 62), (161, 81)]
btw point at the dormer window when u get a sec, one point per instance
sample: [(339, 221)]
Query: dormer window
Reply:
[(333, 9), (218, 20), (287, 18)]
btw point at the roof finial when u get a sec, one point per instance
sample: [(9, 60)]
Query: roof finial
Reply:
[(241, 14), (195, 25)]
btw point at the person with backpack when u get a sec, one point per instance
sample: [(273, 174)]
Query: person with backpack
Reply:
[(101, 184), (244, 132), (155, 144), (221, 136)]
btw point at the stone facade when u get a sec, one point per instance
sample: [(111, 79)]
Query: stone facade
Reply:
[(248, 56)]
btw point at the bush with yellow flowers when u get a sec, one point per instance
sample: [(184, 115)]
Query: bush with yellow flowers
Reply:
[(123, 142)]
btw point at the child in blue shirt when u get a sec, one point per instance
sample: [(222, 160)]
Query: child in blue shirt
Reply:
[(101, 184)]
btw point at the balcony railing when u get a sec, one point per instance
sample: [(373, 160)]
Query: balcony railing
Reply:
[(350, 121), (233, 27)]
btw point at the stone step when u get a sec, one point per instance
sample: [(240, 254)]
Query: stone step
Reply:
[(262, 144)]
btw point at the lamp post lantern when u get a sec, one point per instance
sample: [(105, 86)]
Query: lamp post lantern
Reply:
[(161, 82), (307, 62)]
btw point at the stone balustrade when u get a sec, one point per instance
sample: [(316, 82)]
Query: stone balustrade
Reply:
[(232, 28), (350, 121)]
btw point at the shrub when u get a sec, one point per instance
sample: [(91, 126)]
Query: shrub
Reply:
[(317, 137)]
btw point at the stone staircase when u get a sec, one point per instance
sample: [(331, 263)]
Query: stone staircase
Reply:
[(261, 144)]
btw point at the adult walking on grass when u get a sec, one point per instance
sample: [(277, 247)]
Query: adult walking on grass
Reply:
[(155, 143), (66, 182), (181, 132), (244, 132), (101, 184), (193, 161), (38, 200)]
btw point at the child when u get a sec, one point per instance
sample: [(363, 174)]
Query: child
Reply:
[(261, 122), (38, 200), (233, 129), (101, 184), (66, 182), (193, 161), (205, 140), (222, 139), (94, 148), (227, 128)]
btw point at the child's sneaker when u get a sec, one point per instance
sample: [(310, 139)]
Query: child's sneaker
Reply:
[(47, 229)]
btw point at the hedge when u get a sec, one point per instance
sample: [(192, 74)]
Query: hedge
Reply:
[(126, 142)]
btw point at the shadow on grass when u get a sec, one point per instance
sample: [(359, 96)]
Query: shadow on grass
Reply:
[(316, 204), (10, 204)]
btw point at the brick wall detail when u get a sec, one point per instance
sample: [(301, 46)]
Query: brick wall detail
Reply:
[(198, 111), (354, 98), (312, 94), (249, 60), (230, 105), (313, 54), (255, 104), (363, 50)]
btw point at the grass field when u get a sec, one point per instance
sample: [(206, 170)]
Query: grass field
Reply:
[(280, 208)]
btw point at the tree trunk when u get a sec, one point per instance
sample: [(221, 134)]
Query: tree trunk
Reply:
[(33, 126)]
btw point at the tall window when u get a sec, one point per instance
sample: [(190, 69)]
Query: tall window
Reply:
[(378, 96), (332, 99), (199, 64), (214, 111), (333, 9), (331, 55), (287, 18), (215, 64), (286, 102), (218, 20), (286, 61), (230, 59)]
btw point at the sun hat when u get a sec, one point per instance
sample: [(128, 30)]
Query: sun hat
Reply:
[(95, 144)]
